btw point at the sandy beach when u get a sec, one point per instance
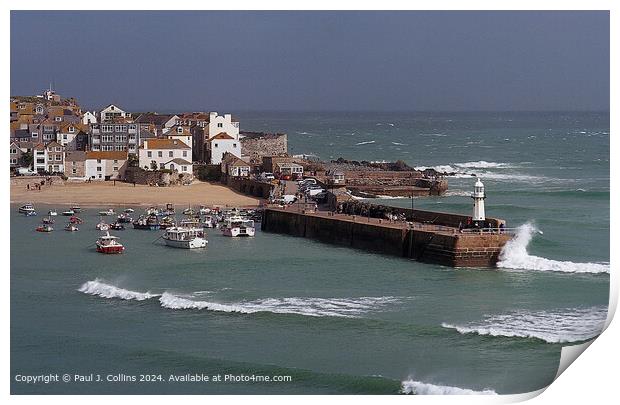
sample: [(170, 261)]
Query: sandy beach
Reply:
[(120, 194)]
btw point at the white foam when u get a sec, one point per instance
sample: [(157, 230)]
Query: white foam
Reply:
[(459, 193), (338, 307), (365, 142), (102, 289), (419, 388), (559, 326), (514, 255), (482, 164), (399, 144)]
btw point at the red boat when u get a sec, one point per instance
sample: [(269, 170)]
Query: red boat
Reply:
[(109, 244), (75, 220), (44, 228)]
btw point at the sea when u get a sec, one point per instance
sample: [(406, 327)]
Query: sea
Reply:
[(276, 314)]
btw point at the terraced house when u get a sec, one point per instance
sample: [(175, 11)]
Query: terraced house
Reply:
[(119, 135)]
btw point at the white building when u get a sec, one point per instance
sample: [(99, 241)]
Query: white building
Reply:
[(109, 165), (111, 113), (163, 154), (222, 133), (89, 118), (38, 159)]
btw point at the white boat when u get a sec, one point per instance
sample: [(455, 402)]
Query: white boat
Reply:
[(204, 210), (26, 208), (238, 226), (102, 226), (52, 213), (129, 210), (184, 237), (76, 208), (110, 211), (209, 222), (71, 227), (188, 211), (68, 213)]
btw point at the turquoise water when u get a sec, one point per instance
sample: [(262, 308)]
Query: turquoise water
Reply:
[(333, 319)]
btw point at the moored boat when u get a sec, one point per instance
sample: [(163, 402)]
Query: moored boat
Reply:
[(102, 226), (109, 244), (166, 222), (30, 213), (237, 226), (107, 212), (124, 218), (44, 228), (76, 208), (52, 213), (188, 211), (149, 222), (69, 213), (75, 220), (71, 227), (209, 222), (185, 237), (129, 210), (204, 210), (26, 208), (47, 220), (117, 226)]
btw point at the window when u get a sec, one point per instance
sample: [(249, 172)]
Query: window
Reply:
[(215, 145), (184, 153), (115, 168), (58, 158), (71, 129), (107, 138), (98, 160), (179, 130), (99, 176), (35, 134), (220, 125), (149, 154), (107, 128), (234, 145), (162, 166), (73, 164), (13, 151), (74, 171), (160, 154), (115, 161), (57, 118), (98, 168), (58, 149), (13, 161), (170, 153), (132, 127), (64, 137), (183, 168)]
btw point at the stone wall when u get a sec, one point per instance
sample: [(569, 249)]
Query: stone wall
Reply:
[(162, 178), (258, 144), (24, 180), (248, 186)]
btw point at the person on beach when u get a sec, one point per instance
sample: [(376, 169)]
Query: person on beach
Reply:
[(28, 186)]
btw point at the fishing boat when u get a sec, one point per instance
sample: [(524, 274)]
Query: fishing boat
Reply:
[(76, 208), (166, 222), (30, 213), (71, 227), (44, 228), (184, 237), (107, 212), (188, 211), (75, 220), (102, 226), (204, 210), (47, 221), (117, 226), (124, 218), (153, 211), (52, 213), (129, 210), (69, 213), (26, 208), (238, 226), (209, 222), (109, 244), (169, 209), (149, 222)]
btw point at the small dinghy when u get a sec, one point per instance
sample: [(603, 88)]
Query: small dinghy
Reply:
[(71, 227), (44, 228)]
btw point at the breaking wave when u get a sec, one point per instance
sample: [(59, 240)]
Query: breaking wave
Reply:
[(486, 170), (102, 289), (365, 142), (482, 164), (419, 388), (514, 255), (308, 306), (338, 307), (560, 326)]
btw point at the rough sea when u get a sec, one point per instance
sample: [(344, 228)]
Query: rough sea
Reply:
[(336, 320)]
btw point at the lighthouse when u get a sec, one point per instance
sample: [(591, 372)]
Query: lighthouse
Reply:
[(478, 197)]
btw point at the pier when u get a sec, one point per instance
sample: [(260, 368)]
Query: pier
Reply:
[(440, 242)]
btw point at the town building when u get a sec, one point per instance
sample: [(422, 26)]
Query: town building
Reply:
[(89, 118), (108, 165), (16, 154), (119, 135), (163, 154), (75, 165), (233, 166), (111, 113), (38, 162), (219, 135), (157, 124), (73, 136), (54, 157)]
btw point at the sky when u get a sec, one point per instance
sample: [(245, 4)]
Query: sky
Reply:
[(316, 61)]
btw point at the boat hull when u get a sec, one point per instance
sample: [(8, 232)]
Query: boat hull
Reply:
[(238, 232), (195, 243), (153, 227), (110, 249)]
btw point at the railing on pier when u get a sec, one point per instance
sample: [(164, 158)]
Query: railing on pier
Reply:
[(482, 231)]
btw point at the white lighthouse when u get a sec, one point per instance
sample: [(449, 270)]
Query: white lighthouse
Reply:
[(478, 197)]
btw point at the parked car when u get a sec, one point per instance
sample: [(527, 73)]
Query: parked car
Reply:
[(25, 171), (266, 176), (306, 182), (314, 191)]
